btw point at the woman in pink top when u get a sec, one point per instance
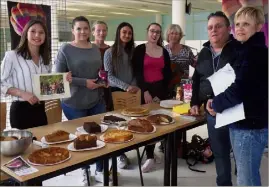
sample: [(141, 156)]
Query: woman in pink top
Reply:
[(151, 65)]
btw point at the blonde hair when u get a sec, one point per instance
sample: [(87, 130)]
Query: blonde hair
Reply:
[(97, 23), (252, 12), (176, 28)]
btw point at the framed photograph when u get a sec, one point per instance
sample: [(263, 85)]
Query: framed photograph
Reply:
[(51, 86)]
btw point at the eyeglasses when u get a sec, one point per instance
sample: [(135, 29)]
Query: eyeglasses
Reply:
[(154, 31), (218, 26)]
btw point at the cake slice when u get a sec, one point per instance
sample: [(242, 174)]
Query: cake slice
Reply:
[(91, 127), (57, 136), (85, 141)]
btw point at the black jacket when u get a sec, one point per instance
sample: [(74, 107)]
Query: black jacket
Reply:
[(138, 67), (250, 86), (201, 87)]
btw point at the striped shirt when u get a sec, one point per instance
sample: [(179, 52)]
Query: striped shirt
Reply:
[(16, 72), (121, 76)]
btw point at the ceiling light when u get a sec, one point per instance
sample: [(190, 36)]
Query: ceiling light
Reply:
[(72, 9), (90, 4), (120, 13), (96, 16), (148, 10)]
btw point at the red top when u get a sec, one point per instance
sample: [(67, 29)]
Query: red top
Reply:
[(153, 68)]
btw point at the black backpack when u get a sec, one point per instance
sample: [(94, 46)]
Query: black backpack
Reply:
[(198, 150)]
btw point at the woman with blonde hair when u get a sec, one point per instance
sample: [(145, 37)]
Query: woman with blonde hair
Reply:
[(181, 55), (249, 137), (99, 31)]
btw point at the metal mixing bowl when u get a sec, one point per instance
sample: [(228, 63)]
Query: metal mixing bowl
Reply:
[(15, 147)]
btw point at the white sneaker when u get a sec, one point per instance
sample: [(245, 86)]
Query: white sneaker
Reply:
[(122, 161), (99, 177), (148, 165)]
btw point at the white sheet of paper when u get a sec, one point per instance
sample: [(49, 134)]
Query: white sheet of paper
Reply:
[(220, 81)]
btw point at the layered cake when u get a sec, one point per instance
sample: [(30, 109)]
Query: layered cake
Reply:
[(57, 136), (84, 141), (111, 118), (140, 125), (91, 127)]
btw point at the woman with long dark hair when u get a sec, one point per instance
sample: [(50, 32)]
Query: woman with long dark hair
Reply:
[(117, 61)]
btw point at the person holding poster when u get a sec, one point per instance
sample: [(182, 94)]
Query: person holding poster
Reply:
[(31, 56)]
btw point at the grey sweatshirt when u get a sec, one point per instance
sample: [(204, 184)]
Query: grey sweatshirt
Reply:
[(123, 76), (84, 64)]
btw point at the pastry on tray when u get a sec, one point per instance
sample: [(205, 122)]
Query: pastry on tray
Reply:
[(50, 155), (160, 119), (117, 136), (135, 111), (84, 141), (57, 136), (140, 125), (92, 127)]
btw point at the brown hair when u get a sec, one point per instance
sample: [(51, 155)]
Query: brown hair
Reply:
[(23, 49), (81, 18), (160, 40)]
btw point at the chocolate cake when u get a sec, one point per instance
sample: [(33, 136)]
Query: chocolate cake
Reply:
[(85, 141), (112, 118), (92, 127)]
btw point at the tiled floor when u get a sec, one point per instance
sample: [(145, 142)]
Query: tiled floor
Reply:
[(186, 177)]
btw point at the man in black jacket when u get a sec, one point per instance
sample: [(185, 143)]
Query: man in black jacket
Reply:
[(216, 53)]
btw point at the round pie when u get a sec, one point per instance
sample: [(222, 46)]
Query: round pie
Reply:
[(48, 156), (160, 119), (140, 125), (117, 136), (135, 111)]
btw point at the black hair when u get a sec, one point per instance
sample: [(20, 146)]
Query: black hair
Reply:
[(129, 47), (219, 14)]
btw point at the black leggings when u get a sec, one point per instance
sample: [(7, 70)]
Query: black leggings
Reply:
[(156, 89), (23, 115)]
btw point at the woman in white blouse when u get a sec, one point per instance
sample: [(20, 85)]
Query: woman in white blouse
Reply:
[(32, 56)]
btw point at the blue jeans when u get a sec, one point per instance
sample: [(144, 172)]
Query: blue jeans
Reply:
[(72, 113), (221, 148), (248, 146)]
